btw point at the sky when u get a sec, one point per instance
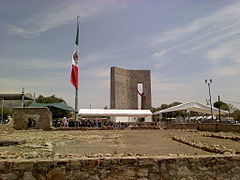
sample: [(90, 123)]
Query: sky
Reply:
[(181, 42)]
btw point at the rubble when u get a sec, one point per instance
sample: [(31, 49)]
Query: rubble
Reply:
[(215, 148)]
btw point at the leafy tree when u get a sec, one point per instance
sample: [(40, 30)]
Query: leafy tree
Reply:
[(174, 104), (236, 115), (153, 109), (6, 112), (49, 99), (57, 113), (232, 108), (222, 105), (167, 115), (165, 106)]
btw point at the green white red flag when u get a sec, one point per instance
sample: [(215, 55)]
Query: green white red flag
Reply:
[(75, 59)]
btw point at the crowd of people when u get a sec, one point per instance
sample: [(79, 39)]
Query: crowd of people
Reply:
[(87, 123), (91, 123)]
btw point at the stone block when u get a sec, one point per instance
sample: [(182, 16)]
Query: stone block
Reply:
[(9, 176), (2, 166), (28, 176), (91, 162), (93, 178), (22, 165), (130, 172), (77, 175), (147, 161), (43, 166), (154, 176), (74, 165), (183, 172), (57, 173), (142, 172), (129, 161), (106, 162)]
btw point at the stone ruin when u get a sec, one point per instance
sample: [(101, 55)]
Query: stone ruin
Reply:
[(32, 118)]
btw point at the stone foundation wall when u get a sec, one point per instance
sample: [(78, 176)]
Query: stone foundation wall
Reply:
[(181, 126), (206, 127), (219, 127), (201, 167)]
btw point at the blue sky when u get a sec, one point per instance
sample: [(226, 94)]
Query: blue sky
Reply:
[(181, 42)]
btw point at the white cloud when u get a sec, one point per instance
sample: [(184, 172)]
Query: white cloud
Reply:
[(99, 56), (96, 73), (219, 20), (228, 71), (159, 59), (62, 14), (36, 64), (215, 36), (226, 51)]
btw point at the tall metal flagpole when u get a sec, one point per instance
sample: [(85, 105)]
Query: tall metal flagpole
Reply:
[(76, 89), (76, 104)]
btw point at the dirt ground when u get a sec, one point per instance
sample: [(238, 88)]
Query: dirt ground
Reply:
[(75, 143)]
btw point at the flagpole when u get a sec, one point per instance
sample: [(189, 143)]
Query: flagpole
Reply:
[(76, 89), (76, 104)]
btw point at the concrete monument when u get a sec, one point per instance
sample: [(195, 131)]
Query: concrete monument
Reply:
[(124, 88)]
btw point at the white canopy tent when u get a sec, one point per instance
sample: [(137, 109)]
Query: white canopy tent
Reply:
[(122, 115), (193, 106), (115, 112)]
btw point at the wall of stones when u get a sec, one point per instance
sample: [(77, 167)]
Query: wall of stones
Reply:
[(205, 127), (181, 126), (201, 167), (219, 127)]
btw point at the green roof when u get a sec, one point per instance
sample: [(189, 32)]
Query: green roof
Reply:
[(59, 105)]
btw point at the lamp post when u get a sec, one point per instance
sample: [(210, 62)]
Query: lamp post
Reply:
[(23, 105), (209, 82), (2, 99), (219, 110)]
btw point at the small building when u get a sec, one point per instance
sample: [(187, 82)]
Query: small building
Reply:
[(11, 100), (32, 118)]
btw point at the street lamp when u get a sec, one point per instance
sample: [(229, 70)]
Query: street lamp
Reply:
[(209, 82), (23, 105), (2, 99)]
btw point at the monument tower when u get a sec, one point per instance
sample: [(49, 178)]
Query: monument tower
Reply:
[(124, 88)]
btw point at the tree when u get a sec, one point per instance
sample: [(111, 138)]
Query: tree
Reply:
[(6, 112), (153, 109), (221, 105), (167, 115), (174, 104), (236, 115), (164, 106), (57, 113), (49, 99), (232, 108)]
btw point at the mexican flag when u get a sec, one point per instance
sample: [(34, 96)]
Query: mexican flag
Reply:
[(75, 60)]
